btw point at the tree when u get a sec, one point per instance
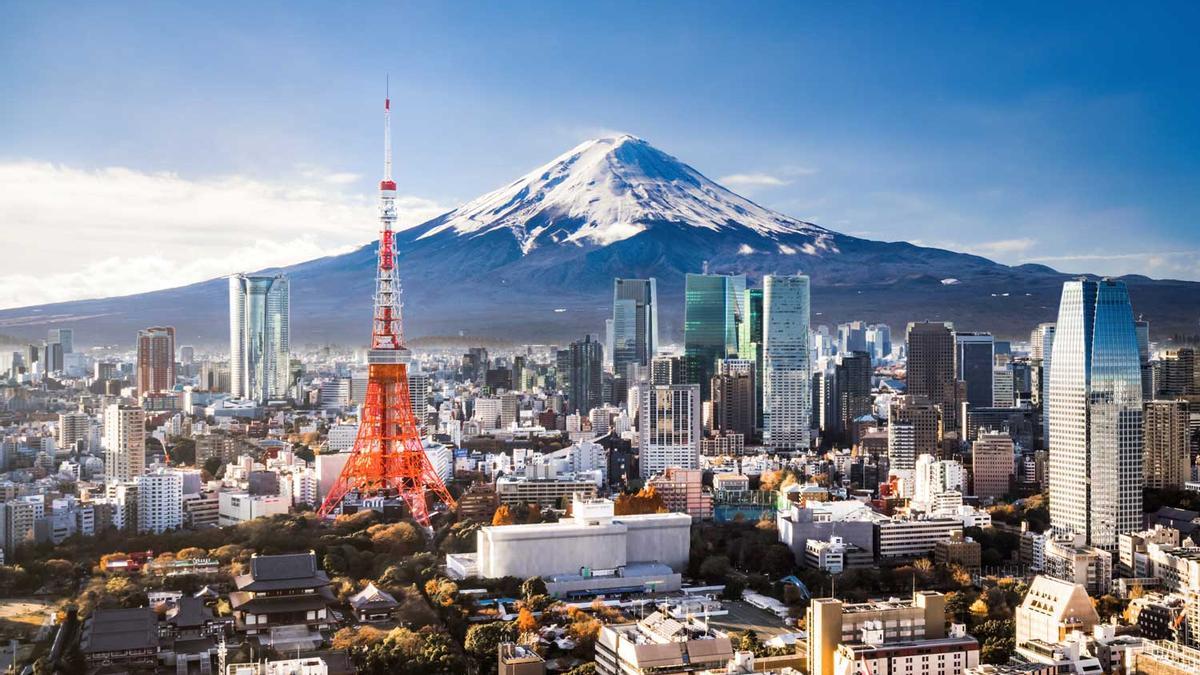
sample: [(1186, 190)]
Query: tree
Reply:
[(483, 640), (502, 516), (533, 586), (646, 500), (526, 621), (400, 539), (715, 568)]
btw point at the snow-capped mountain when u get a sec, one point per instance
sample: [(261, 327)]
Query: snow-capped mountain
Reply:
[(609, 189), (534, 261)]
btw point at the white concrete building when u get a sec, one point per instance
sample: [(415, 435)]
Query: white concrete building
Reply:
[(591, 551), (160, 501), (238, 507)]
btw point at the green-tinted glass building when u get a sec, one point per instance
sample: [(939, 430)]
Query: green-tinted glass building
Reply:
[(712, 314)]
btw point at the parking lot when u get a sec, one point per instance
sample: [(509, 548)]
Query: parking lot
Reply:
[(743, 616)]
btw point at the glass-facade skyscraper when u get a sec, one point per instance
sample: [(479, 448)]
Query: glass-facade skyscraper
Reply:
[(750, 343), (259, 336), (787, 392), (712, 312), (634, 324), (975, 359), (1095, 414)]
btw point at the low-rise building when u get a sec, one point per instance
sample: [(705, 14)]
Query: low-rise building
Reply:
[(238, 507), (904, 538), (1132, 553), (661, 644), (1052, 609), (871, 653), (124, 638), (958, 550), (1076, 563), (283, 600), (832, 623), (593, 551)]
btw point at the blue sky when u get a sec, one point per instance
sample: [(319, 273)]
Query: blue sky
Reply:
[(198, 139)]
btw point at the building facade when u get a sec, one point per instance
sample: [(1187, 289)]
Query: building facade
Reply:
[(259, 336), (1095, 412), (787, 371)]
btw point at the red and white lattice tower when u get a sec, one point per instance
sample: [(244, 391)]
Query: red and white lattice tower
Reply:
[(388, 457)]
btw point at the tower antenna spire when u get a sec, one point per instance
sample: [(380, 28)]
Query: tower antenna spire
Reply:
[(387, 129)]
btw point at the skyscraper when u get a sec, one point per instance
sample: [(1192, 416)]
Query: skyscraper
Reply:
[(712, 311), (1167, 455), (853, 372), (787, 392), (634, 323), (64, 337), (1175, 373), (1143, 336), (852, 337), (669, 427), (975, 357), (733, 399), (586, 379), (1041, 347), (155, 359), (259, 336), (931, 368), (1095, 412), (124, 442), (750, 343), (879, 341)]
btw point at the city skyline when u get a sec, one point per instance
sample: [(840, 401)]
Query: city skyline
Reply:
[(1073, 132)]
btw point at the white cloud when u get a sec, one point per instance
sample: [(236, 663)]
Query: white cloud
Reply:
[(1002, 246), (1157, 264), (77, 233), (751, 180)]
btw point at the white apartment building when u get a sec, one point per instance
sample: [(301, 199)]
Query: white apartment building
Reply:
[(669, 427), (160, 502)]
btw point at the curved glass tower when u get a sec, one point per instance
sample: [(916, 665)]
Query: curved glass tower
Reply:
[(259, 340), (1095, 414)]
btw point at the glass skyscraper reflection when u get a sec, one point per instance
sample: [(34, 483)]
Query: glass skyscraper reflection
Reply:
[(1095, 414), (712, 312), (259, 340), (634, 323)]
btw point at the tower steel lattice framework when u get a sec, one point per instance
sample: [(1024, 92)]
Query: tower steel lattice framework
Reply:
[(388, 457)]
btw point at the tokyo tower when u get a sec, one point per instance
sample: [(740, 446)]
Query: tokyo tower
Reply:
[(388, 457)]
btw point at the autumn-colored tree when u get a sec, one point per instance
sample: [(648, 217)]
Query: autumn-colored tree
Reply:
[(770, 480), (502, 516), (357, 636), (399, 538), (191, 552), (526, 621), (646, 500)]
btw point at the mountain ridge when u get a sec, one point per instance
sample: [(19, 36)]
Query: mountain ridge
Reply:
[(505, 263)]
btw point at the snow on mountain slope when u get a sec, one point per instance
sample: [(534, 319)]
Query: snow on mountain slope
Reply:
[(610, 189)]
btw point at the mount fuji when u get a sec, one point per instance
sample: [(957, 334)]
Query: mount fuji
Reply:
[(534, 261)]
